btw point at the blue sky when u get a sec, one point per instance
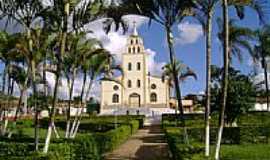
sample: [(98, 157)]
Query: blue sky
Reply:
[(189, 47), (193, 54)]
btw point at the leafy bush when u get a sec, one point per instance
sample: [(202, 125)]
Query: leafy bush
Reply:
[(179, 150), (85, 146)]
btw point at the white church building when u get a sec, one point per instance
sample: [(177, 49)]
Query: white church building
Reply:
[(139, 90)]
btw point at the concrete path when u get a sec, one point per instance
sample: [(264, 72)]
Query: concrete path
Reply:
[(147, 144)]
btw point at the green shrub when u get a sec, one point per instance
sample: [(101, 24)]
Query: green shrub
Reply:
[(181, 151), (14, 150), (89, 145)]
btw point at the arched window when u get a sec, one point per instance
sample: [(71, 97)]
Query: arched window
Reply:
[(133, 49), (129, 50), (138, 83), (131, 42), (138, 50), (136, 41), (129, 66), (138, 66), (115, 98), (153, 97), (129, 84)]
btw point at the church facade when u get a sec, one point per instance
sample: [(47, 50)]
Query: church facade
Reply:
[(139, 88)]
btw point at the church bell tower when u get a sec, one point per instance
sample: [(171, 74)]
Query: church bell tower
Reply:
[(135, 69)]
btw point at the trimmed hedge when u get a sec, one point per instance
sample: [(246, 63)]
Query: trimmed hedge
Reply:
[(253, 128), (179, 150), (85, 146), (232, 135)]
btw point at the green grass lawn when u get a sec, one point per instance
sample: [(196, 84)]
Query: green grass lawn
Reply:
[(246, 152), (239, 152)]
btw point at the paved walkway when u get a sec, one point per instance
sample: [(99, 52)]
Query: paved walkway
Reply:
[(146, 144)]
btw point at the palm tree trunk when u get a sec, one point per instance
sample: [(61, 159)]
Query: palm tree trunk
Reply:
[(44, 79), (24, 99), (59, 67), (19, 105), (35, 105), (67, 135), (89, 86), (266, 82), (17, 112), (208, 81), (51, 116), (78, 121), (176, 80), (4, 129), (225, 77)]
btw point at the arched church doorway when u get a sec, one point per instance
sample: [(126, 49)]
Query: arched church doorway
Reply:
[(134, 100)]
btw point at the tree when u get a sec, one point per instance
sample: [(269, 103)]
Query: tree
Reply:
[(241, 94), (240, 39), (225, 34), (56, 20), (106, 69), (182, 71), (261, 52), (20, 76), (258, 6), (204, 13), (80, 56), (167, 14), (25, 13)]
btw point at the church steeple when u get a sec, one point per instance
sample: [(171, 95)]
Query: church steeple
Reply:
[(134, 42), (135, 33)]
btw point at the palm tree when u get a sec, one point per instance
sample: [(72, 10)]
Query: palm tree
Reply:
[(33, 58), (258, 6), (225, 34), (20, 76), (56, 19), (80, 50), (182, 70), (204, 13), (261, 52), (240, 38), (167, 14), (25, 13), (86, 64)]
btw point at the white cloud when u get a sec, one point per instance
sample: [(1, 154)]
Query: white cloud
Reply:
[(154, 66), (188, 33), (115, 42)]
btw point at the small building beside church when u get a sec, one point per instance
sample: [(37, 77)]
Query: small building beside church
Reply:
[(139, 88)]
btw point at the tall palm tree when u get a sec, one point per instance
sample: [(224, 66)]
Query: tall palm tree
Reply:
[(261, 52), (56, 19), (25, 13), (80, 50), (225, 75), (33, 58), (86, 64), (204, 13), (167, 14), (20, 76), (258, 6)]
